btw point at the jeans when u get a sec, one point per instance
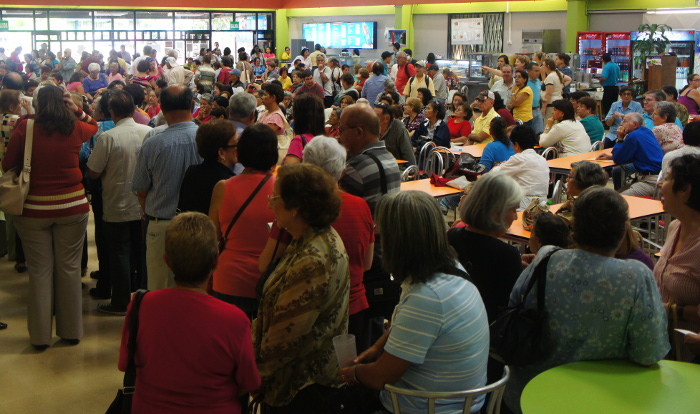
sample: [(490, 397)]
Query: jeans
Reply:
[(126, 257), (537, 123)]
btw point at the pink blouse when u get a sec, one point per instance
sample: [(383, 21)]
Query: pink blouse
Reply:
[(669, 135)]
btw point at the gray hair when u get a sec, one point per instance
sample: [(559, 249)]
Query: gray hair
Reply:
[(588, 174), (326, 153), (400, 54), (93, 67), (488, 202), (207, 97), (637, 118), (666, 110), (241, 105)]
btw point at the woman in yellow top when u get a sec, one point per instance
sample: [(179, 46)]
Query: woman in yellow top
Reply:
[(285, 79), (521, 102), (286, 55)]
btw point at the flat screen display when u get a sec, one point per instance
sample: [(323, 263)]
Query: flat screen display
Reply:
[(339, 35)]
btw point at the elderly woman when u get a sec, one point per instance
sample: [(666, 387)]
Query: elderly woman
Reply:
[(414, 117), (178, 325), (613, 319), (152, 99), (304, 301), (501, 149), (618, 110), (114, 74), (488, 211), (521, 101), (434, 127), (526, 166), (203, 113), (95, 82), (590, 121), (237, 274), (216, 144), (567, 133), (677, 273), (52, 232), (309, 121), (355, 227), (451, 351), (583, 174), (669, 135)]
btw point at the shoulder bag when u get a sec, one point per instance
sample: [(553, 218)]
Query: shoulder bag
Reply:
[(224, 239), (14, 184), (521, 336), (122, 402)]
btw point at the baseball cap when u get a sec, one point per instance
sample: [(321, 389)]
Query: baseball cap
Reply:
[(235, 71), (484, 95), (420, 63)]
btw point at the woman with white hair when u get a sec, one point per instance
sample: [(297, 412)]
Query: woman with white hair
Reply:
[(669, 135), (355, 227), (95, 82)]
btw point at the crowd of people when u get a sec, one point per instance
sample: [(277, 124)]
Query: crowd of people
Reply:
[(262, 195)]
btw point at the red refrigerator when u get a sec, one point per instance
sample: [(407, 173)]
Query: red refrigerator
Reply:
[(590, 47), (619, 46)]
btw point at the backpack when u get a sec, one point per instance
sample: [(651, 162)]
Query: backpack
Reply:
[(410, 83)]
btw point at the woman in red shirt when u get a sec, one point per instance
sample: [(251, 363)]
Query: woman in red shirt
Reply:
[(53, 223)]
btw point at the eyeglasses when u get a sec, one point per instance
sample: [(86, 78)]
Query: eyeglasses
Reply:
[(626, 94), (271, 198)]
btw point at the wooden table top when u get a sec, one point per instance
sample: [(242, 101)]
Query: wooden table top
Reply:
[(425, 186), (638, 208), (563, 164)]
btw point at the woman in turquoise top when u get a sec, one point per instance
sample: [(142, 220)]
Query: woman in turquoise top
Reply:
[(599, 307), (500, 149), (591, 122), (618, 110)]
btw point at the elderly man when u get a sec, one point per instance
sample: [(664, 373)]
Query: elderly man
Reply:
[(162, 162), (206, 75), (404, 71), (310, 85), (636, 144), (438, 83), (482, 124), (505, 86), (113, 55), (374, 85), (66, 66), (394, 134), (420, 80), (322, 76), (176, 74), (113, 160), (242, 114), (650, 99)]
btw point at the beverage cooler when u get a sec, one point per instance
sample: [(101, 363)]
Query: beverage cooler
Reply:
[(620, 48), (683, 45), (590, 47)]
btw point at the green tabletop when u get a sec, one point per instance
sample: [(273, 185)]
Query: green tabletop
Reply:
[(614, 386)]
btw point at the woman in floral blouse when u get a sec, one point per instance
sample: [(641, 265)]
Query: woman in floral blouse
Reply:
[(669, 135), (414, 117), (599, 307), (305, 300)]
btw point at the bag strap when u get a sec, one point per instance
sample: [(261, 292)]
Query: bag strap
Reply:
[(539, 276), (28, 144), (382, 174), (243, 207), (130, 373)]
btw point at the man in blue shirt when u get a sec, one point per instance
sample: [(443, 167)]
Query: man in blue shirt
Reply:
[(636, 144), (375, 84), (609, 80), (534, 82), (651, 98)]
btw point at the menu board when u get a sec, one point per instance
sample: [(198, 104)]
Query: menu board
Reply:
[(468, 31), (348, 35)]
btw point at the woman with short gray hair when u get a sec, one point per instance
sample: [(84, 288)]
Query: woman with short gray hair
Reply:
[(355, 227), (669, 135), (488, 211), (438, 339), (95, 82)]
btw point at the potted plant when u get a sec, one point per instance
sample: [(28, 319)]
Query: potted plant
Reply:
[(651, 41)]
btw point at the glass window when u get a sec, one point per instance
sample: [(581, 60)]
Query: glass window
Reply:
[(125, 23), (265, 21), (221, 21), (192, 21), (246, 21), (103, 24), (41, 20), (154, 20), (70, 20)]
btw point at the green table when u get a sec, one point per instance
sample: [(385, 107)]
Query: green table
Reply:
[(614, 386)]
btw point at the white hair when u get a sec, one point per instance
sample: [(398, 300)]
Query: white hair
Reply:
[(327, 153), (93, 67)]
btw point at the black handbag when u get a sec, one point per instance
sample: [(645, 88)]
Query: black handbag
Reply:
[(521, 336), (122, 402)]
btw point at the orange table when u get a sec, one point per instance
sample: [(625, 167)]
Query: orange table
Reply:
[(476, 150), (425, 186), (639, 208), (562, 166)]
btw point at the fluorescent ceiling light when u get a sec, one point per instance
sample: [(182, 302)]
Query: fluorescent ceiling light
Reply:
[(674, 11)]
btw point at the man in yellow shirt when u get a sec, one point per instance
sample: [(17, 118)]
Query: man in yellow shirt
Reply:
[(482, 125), (419, 81)]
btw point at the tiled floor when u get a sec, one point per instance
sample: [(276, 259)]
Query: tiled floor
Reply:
[(64, 378)]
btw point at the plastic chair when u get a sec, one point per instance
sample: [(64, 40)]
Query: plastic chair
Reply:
[(494, 403), (550, 153), (598, 145), (410, 173)]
